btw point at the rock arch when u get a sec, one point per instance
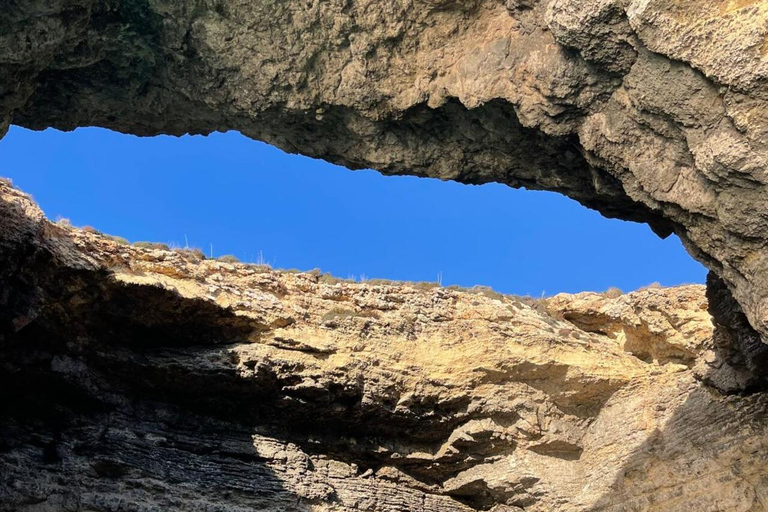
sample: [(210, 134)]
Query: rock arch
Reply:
[(645, 110)]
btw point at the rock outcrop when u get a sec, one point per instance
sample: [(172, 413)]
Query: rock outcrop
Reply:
[(145, 380), (648, 110)]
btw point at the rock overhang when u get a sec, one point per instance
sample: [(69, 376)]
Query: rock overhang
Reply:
[(641, 110)]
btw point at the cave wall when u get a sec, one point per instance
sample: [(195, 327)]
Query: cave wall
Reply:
[(145, 380)]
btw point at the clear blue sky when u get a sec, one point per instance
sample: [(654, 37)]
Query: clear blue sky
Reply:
[(244, 197)]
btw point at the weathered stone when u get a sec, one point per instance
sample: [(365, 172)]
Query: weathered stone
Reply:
[(142, 379), (150, 380)]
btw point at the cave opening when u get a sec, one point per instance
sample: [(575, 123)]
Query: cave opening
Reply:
[(227, 195), (143, 379)]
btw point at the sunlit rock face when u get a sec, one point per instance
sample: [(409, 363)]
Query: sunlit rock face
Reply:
[(148, 379), (649, 110)]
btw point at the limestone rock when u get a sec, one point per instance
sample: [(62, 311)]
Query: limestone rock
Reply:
[(149, 380)]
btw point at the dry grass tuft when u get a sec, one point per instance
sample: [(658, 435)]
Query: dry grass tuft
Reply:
[(228, 258), (613, 293), (63, 222), (91, 229), (118, 239), (191, 253), (151, 245)]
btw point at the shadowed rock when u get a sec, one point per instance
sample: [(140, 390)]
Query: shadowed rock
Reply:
[(146, 379)]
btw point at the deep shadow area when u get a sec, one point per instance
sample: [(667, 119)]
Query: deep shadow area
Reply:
[(64, 430), (100, 411), (124, 395), (139, 457), (741, 364)]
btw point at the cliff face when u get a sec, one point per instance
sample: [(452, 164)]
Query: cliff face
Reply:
[(649, 110), (148, 380)]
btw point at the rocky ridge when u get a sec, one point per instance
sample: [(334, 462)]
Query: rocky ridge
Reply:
[(148, 380)]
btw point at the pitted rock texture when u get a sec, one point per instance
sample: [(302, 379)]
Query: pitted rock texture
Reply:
[(648, 110), (153, 380)]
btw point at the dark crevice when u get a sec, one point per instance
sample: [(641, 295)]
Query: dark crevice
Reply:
[(737, 345)]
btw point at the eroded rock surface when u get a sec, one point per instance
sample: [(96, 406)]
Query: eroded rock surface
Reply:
[(649, 110), (148, 380)]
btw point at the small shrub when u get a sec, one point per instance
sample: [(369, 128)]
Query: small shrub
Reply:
[(327, 278), (653, 286), (486, 291), (194, 254), (537, 303), (613, 293), (425, 285), (197, 253), (118, 239), (382, 282), (91, 229), (63, 222), (152, 245), (228, 258)]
